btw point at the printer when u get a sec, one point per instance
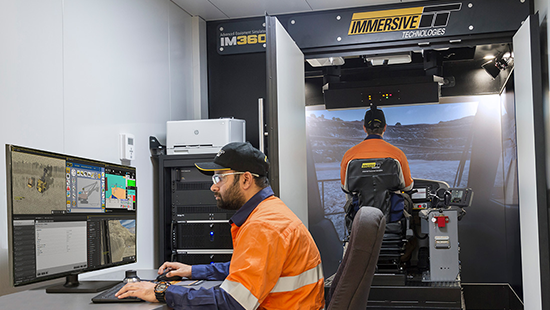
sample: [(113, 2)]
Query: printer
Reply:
[(203, 136)]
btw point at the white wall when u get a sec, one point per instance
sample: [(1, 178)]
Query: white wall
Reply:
[(76, 73)]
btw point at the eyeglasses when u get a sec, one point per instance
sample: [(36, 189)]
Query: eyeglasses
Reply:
[(217, 178)]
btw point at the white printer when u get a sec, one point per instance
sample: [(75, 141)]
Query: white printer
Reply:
[(203, 136)]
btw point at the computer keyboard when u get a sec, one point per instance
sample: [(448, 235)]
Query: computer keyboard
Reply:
[(109, 295)]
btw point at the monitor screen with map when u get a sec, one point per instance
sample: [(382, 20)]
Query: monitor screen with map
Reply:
[(68, 215)]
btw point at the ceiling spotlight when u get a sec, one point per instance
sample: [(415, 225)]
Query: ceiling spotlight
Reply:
[(495, 65), (325, 62)]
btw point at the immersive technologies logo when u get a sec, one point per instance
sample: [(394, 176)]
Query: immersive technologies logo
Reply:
[(371, 165), (416, 22)]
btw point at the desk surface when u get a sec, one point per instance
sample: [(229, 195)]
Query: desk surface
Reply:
[(39, 299)]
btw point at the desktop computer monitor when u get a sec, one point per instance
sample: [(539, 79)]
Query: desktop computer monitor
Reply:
[(68, 215)]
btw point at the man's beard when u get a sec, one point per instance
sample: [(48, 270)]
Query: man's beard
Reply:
[(234, 199)]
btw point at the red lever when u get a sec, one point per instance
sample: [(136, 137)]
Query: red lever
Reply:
[(442, 221)]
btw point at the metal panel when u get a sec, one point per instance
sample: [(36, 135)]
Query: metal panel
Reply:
[(287, 120), (444, 248), (531, 165)]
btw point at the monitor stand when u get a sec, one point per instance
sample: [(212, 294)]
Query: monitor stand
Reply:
[(72, 285)]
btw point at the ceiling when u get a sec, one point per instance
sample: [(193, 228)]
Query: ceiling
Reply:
[(227, 9)]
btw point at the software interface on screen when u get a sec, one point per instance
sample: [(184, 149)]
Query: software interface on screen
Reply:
[(68, 214)]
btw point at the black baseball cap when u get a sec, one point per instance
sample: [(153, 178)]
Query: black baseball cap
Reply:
[(238, 156), (374, 118)]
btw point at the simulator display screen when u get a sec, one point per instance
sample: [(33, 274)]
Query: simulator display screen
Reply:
[(435, 139), (68, 214)]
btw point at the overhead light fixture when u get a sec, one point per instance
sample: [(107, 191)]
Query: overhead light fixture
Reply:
[(497, 64), (388, 59), (326, 62)]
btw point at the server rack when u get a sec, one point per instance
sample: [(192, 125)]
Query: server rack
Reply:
[(192, 229)]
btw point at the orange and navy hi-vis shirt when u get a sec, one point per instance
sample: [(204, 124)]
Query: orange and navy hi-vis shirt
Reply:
[(275, 263), (375, 147)]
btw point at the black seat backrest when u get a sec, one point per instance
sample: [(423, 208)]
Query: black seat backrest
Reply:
[(351, 285), (371, 181)]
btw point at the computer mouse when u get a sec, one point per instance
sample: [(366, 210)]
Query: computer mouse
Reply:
[(163, 277)]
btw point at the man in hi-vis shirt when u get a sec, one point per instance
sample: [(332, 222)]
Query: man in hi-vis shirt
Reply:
[(275, 262)]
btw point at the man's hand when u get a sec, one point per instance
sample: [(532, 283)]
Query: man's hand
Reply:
[(144, 290), (176, 269)]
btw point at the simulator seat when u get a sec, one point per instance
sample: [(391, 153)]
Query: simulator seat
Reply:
[(374, 183), (351, 285)]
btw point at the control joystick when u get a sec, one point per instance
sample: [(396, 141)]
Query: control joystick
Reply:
[(131, 277)]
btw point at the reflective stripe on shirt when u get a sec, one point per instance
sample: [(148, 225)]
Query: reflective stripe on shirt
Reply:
[(288, 284), (285, 284), (240, 294)]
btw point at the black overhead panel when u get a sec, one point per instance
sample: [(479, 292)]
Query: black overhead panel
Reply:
[(381, 92), (405, 26)]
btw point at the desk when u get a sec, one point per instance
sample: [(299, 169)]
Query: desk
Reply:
[(39, 299)]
